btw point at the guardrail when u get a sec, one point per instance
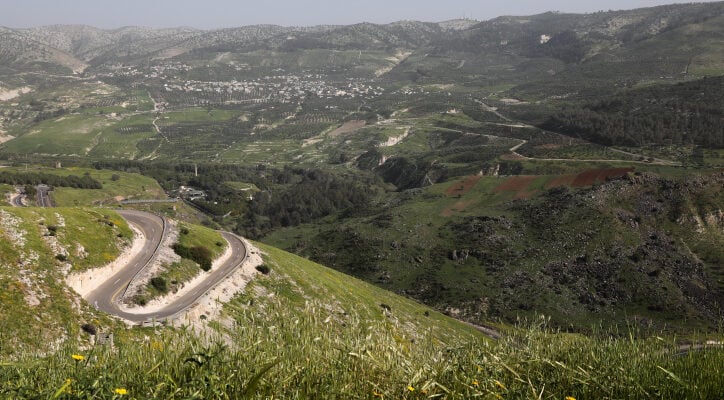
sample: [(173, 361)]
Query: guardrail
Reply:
[(155, 254), (177, 314), (149, 201)]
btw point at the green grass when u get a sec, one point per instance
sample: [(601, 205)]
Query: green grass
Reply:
[(176, 274), (322, 335), (128, 185), (197, 115), (89, 134), (5, 191), (308, 331), (67, 135), (39, 312), (202, 236)]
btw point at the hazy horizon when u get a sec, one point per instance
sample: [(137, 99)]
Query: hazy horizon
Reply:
[(216, 14)]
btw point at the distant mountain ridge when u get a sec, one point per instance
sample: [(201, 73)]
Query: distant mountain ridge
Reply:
[(571, 38)]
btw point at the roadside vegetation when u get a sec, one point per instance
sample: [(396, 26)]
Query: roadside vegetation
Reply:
[(38, 247), (198, 247), (307, 331)]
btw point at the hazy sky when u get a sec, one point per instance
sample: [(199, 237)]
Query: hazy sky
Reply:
[(229, 13)]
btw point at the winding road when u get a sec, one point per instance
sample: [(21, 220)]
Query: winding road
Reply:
[(106, 297)]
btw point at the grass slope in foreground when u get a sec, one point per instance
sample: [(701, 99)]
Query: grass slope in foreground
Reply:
[(305, 331), (38, 247)]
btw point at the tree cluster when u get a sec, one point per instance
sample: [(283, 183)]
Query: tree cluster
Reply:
[(687, 113), (37, 178)]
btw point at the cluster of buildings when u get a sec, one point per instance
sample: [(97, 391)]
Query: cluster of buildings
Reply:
[(282, 88), (278, 86)]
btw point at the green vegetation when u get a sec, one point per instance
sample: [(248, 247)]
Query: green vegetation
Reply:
[(484, 248), (127, 185), (298, 336), (560, 164), (34, 178), (38, 247), (199, 236), (199, 247)]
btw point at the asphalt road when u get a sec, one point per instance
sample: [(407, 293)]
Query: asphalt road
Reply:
[(108, 294), (17, 201), (43, 196)]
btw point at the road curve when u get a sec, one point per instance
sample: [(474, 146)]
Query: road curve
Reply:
[(107, 296), (17, 201)]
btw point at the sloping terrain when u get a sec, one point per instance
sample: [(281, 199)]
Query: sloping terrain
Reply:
[(38, 248), (638, 249)]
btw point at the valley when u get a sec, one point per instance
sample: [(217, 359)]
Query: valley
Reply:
[(406, 210)]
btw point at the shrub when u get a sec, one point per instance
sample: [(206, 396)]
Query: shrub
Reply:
[(89, 329), (159, 283), (198, 254), (264, 269), (61, 257)]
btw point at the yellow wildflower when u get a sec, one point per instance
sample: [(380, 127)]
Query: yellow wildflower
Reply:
[(410, 388), (67, 387), (78, 357), (376, 393), (500, 385), (120, 391), (157, 346), (475, 382), (570, 398)]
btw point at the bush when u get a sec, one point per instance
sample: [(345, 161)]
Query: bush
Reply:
[(198, 254), (89, 329), (264, 269), (159, 283), (61, 257), (184, 230)]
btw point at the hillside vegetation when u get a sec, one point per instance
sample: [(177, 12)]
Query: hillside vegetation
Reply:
[(641, 249), (307, 331), (565, 165), (39, 247)]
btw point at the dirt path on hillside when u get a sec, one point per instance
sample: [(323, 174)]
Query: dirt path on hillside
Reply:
[(513, 150)]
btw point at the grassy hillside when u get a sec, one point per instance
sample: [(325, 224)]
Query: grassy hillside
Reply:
[(38, 248), (581, 247), (306, 331), (116, 186)]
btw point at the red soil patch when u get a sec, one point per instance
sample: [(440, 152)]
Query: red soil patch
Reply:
[(516, 183), (348, 127), (457, 207), (562, 180), (462, 187), (588, 178)]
